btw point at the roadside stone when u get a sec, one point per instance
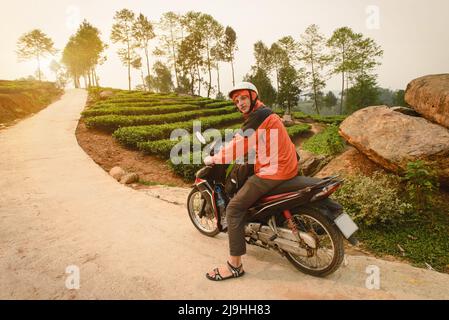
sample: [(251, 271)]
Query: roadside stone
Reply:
[(117, 173), (129, 178)]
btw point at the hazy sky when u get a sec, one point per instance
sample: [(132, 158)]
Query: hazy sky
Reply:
[(414, 34)]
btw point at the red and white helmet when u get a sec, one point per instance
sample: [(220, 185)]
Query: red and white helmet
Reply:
[(243, 86)]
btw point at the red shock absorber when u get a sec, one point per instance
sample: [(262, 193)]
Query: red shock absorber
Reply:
[(291, 224)]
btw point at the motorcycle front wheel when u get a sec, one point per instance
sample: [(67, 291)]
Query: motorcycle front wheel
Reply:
[(201, 215), (328, 255)]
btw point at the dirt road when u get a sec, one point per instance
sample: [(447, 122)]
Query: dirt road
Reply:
[(58, 208)]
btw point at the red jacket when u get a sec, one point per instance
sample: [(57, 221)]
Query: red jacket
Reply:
[(264, 132)]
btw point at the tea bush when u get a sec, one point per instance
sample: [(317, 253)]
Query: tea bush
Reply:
[(113, 122), (373, 200), (327, 142)]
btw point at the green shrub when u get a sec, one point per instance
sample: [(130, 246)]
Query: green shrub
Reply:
[(421, 184), (159, 148), (337, 119), (300, 115), (327, 142), (219, 104), (130, 136), (113, 122), (297, 129), (185, 170), (279, 112), (329, 119), (373, 200), (143, 104), (134, 111), (162, 148), (94, 94)]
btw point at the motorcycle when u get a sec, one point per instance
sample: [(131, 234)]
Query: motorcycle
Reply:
[(297, 219)]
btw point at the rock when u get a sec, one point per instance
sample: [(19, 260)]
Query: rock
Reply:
[(309, 163), (106, 94), (407, 111), (348, 163), (129, 178), (392, 139), (429, 96), (117, 173)]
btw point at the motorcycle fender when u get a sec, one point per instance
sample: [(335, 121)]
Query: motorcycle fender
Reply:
[(207, 194)]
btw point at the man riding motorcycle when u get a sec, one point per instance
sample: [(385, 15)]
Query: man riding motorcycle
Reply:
[(276, 164)]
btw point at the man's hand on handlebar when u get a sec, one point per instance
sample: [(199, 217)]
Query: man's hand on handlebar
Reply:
[(208, 161)]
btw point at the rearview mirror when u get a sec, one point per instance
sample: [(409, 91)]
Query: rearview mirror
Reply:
[(200, 137)]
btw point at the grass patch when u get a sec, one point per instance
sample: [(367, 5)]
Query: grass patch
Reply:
[(422, 241), (297, 129), (337, 119), (152, 183), (391, 223), (326, 143)]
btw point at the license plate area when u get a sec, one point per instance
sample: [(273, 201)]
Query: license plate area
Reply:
[(346, 225)]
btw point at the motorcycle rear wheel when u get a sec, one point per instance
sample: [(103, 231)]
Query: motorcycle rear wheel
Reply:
[(206, 224), (329, 243)]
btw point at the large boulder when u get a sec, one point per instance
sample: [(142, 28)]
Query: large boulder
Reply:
[(309, 163), (392, 139), (429, 96), (350, 162)]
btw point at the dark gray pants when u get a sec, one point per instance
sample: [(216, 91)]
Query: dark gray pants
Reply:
[(253, 189)]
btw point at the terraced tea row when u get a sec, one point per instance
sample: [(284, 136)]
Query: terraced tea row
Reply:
[(110, 123)]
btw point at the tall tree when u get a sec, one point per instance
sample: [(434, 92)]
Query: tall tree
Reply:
[(366, 57), (362, 94), (143, 32), (72, 61), (262, 56), (230, 47), (290, 82), (398, 98), (55, 67), (311, 51), (218, 54), (83, 53), (190, 60), (162, 79), (330, 99), (91, 48), (342, 44), (171, 25), (35, 44), (137, 64), (259, 77), (281, 56), (122, 33), (208, 32)]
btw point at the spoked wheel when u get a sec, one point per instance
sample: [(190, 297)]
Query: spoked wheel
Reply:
[(201, 215), (328, 255)]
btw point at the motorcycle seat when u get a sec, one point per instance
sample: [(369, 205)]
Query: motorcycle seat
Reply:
[(295, 184)]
